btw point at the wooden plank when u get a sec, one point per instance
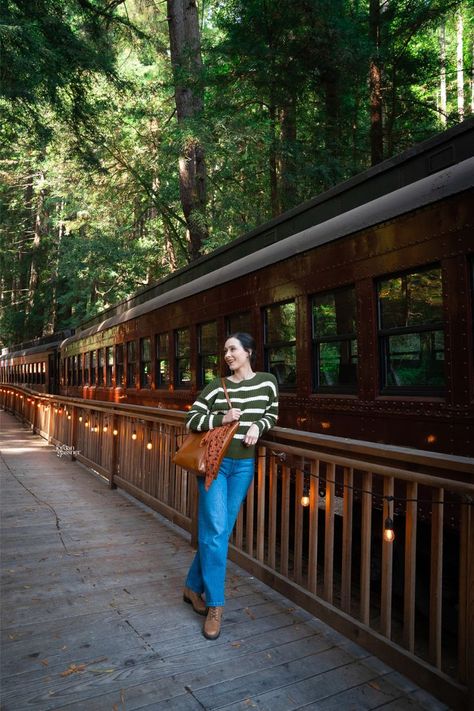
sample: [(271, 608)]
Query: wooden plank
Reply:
[(409, 593), (249, 510), (346, 562), (313, 526), (298, 532), (261, 474), (365, 547), (387, 563), (285, 519), (436, 577), (272, 511), (329, 532)]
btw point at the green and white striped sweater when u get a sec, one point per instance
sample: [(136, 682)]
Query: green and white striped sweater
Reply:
[(257, 397)]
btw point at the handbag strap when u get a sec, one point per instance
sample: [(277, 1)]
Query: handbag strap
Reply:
[(226, 393)]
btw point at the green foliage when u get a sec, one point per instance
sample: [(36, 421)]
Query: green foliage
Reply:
[(89, 144)]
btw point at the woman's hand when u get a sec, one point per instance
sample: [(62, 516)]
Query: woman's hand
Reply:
[(253, 433), (231, 415)]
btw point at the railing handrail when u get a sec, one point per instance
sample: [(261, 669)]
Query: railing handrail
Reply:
[(374, 453), (374, 468)]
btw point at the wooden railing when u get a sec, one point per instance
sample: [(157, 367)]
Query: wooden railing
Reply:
[(409, 600)]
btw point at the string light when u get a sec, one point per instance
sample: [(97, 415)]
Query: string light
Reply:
[(105, 427), (115, 432), (388, 532), (134, 435), (86, 423), (149, 443), (80, 418)]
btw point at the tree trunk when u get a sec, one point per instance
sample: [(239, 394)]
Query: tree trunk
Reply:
[(287, 161), (442, 87), (273, 163), (375, 84), (52, 325), (185, 45), (460, 65), (37, 230)]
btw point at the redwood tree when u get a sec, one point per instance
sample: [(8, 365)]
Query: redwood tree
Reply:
[(185, 46)]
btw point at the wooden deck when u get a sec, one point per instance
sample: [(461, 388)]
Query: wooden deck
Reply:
[(92, 615)]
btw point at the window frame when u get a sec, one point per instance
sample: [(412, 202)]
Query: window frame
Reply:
[(131, 372), (384, 334), (337, 338), (177, 359), (145, 378), (204, 354), (160, 382), (274, 345)]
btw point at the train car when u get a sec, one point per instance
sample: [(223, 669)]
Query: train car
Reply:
[(34, 364), (360, 301)]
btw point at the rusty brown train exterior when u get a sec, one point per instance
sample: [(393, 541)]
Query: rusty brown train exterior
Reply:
[(361, 302)]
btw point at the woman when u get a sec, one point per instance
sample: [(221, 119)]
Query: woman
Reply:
[(254, 399)]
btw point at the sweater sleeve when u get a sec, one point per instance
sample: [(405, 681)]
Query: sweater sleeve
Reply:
[(201, 416), (270, 416)]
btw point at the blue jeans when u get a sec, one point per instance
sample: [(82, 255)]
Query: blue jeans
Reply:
[(218, 511)]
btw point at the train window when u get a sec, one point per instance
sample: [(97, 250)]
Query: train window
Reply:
[(87, 368), (109, 364), (280, 342), (74, 370), (207, 352), (100, 366), (162, 343), (131, 363), (119, 365), (411, 332), (93, 367), (335, 341), (145, 363), (239, 323), (80, 369), (68, 371), (182, 357), (43, 373)]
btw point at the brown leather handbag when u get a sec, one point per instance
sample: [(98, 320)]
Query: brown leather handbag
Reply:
[(203, 452)]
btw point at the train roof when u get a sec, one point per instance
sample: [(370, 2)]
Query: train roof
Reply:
[(23, 349), (422, 160), (443, 184)]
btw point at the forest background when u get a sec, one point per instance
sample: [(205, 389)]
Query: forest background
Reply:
[(138, 135)]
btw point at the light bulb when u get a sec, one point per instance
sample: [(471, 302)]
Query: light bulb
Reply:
[(388, 532)]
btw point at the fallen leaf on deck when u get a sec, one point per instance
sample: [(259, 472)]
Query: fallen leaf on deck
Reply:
[(249, 613), (73, 669), (374, 685), (101, 671), (236, 644), (44, 662)]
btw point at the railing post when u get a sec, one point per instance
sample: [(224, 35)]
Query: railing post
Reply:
[(194, 493), (115, 442), (466, 599), (74, 432), (470, 608)]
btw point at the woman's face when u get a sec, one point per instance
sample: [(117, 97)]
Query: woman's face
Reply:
[(234, 354)]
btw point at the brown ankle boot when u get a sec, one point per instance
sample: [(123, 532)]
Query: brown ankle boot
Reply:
[(212, 625), (194, 599)]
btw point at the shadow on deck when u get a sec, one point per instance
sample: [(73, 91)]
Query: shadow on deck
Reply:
[(92, 615)]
